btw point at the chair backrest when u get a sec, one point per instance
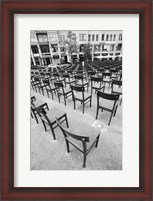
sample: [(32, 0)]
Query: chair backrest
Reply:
[(66, 134), (42, 112), (96, 79), (117, 82), (66, 75), (46, 81), (112, 97), (107, 74), (37, 79), (59, 84), (77, 88), (33, 98), (79, 77), (91, 72)]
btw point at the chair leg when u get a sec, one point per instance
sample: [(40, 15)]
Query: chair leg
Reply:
[(97, 141), (67, 145), (64, 100), (83, 107), (44, 125), (110, 118), (59, 98), (47, 94), (84, 160), (97, 113), (43, 92), (36, 118), (90, 101), (52, 96), (74, 104), (52, 132), (66, 121)]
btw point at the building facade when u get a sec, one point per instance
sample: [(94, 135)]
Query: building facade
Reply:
[(49, 47)]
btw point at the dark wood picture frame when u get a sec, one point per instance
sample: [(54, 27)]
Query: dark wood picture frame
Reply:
[(11, 7)]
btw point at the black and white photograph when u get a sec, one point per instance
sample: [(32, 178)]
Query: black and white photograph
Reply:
[(76, 100)]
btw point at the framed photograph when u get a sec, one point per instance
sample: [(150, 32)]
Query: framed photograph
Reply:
[(76, 100)]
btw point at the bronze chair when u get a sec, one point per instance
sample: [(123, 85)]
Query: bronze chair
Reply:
[(117, 88), (62, 91), (68, 79), (81, 80), (37, 103), (48, 118), (107, 79), (108, 102), (83, 137), (50, 88), (79, 94), (97, 84)]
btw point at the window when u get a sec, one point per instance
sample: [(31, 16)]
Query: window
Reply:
[(120, 37), (34, 49), (62, 49), (119, 47), (56, 56), (107, 37), (112, 48), (32, 62), (54, 47), (37, 61), (89, 37), (114, 37), (93, 37), (96, 37), (81, 37), (42, 37), (111, 37), (44, 48), (102, 37)]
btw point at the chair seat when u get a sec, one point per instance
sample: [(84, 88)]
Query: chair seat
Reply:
[(82, 84), (52, 87), (79, 96), (107, 79), (71, 80), (80, 129), (96, 85), (117, 90), (66, 90), (106, 103), (52, 113), (38, 103)]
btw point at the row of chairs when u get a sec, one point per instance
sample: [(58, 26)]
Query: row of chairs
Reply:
[(55, 117)]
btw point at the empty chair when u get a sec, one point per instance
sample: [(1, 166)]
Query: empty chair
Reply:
[(50, 88), (83, 137), (114, 74), (107, 79), (108, 102), (79, 94), (97, 84), (40, 85), (117, 88), (57, 76), (37, 103), (48, 118), (68, 79), (80, 80), (62, 91)]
